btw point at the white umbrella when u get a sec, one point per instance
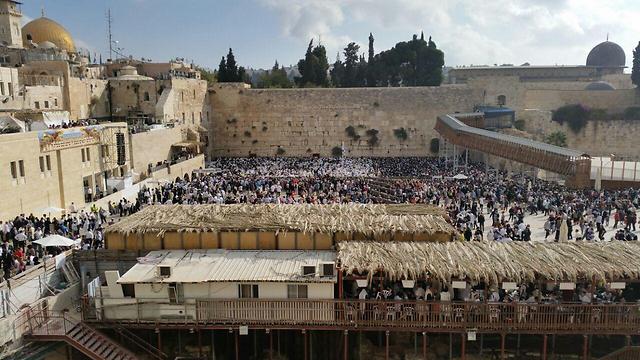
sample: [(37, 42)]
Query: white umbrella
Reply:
[(461, 177), (51, 209), (55, 240)]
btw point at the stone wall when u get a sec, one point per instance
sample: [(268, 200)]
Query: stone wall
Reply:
[(597, 138), (303, 122), (613, 100), (153, 146)]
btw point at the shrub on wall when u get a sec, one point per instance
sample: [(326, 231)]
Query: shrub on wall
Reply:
[(575, 115), (519, 124), (631, 113), (401, 134), (280, 151), (373, 139), (557, 138), (434, 146), (247, 133), (352, 133), (336, 151)]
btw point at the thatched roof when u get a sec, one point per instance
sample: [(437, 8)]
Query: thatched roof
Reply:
[(365, 219), (492, 261)]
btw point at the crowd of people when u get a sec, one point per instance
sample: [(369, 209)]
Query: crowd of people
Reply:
[(551, 293), (18, 250), (70, 124), (482, 205)]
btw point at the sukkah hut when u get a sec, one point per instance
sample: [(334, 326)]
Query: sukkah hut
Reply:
[(492, 262), (276, 227)]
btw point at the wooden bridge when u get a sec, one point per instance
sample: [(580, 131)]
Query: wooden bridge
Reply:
[(465, 130)]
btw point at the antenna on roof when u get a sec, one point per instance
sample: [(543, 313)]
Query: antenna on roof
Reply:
[(607, 36)]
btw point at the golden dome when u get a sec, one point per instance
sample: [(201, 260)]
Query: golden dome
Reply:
[(44, 29)]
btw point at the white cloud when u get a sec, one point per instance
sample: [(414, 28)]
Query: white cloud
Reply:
[(471, 31)]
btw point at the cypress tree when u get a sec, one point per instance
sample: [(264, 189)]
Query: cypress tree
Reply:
[(635, 70), (222, 71)]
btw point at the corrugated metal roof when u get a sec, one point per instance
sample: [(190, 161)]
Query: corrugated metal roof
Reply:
[(197, 266), (457, 125)]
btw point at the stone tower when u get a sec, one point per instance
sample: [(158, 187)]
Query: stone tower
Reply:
[(10, 26)]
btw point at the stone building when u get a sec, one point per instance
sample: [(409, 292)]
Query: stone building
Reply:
[(53, 168)]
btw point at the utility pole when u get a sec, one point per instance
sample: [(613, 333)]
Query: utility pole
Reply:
[(109, 21)]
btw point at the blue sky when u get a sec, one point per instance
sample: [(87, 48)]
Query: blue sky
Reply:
[(543, 32)]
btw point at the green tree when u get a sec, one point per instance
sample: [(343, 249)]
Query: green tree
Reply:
[(221, 74), (232, 68), (228, 70), (337, 72), (557, 138), (370, 72), (412, 63), (313, 68), (207, 74), (275, 78), (351, 62), (635, 70)]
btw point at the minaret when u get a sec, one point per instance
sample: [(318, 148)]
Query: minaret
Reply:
[(10, 23)]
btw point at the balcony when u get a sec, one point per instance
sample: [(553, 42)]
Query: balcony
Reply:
[(565, 318)]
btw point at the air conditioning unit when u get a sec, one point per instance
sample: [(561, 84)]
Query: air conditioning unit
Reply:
[(328, 269), (164, 271), (308, 270)]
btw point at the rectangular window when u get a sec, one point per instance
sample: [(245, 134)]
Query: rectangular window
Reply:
[(2, 88), (21, 167), (247, 291), (41, 164), (83, 156), (184, 118), (10, 87), (88, 154), (194, 93), (14, 170), (46, 104), (297, 291), (129, 290), (48, 158), (55, 102), (193, 118), (37, 104)]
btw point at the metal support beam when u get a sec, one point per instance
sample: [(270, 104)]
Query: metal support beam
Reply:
[(270, 344), (346, 345), (424, 345), (544, 347), (463, 344), (502, 341), (306, 351), (386, 347), (585, 347), (237, 345)]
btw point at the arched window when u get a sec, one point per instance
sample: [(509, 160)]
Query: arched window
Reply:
[(146, 96), (502, 100)]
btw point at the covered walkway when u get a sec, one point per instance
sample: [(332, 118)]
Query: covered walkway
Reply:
[(466, 131)]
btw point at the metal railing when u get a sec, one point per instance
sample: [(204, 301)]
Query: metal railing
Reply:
[(373, 314)]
